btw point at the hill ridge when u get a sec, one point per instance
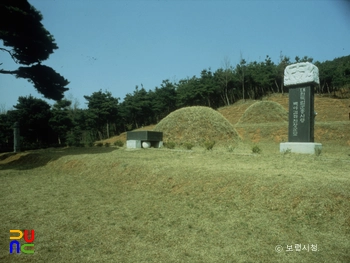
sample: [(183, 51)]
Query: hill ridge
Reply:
[(332, 121)]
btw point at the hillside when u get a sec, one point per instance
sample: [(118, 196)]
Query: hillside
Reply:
[(328, 109), (332, 121)]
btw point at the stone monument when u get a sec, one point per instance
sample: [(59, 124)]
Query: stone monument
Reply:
[(16, 139), (144, 139), (301, 79)]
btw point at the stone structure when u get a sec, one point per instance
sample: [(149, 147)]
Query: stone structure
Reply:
[(301, 79), (16, 139), (144, 139)]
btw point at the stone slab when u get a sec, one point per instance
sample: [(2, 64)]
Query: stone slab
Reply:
[(301, 73), (301, 114), (300, 147), (144, 135)]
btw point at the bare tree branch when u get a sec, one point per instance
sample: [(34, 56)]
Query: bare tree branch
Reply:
[(2, 71), (8, 51)]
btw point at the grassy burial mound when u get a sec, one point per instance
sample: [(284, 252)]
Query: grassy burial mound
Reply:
[(264, 121), (263, 112), (196, 125)]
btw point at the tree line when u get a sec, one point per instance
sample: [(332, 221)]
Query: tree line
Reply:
[(64, 123)]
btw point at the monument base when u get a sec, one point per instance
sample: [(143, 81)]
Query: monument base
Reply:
[(301, 147)]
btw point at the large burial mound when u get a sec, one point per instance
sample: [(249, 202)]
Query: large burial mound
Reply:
[(263, 112), (196, 125), (264, 120)]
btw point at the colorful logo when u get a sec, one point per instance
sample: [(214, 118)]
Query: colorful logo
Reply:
[(23, 248)]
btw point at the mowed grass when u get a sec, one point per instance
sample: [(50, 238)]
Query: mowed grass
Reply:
[(161, 205)]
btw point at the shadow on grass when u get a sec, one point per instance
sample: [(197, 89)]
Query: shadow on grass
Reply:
[(36, 158)]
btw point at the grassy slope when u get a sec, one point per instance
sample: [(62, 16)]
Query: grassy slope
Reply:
[(332, 122), (159, 205)]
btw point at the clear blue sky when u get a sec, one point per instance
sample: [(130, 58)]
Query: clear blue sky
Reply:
[(115, 45)]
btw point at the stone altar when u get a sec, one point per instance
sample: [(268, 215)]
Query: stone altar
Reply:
[(144, 139)]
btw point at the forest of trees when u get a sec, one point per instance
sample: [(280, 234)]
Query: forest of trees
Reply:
[(65, 123)]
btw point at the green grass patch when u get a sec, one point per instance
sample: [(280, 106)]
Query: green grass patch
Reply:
[(188, 145), (119, 143), (209, 145), (170, 145), (256, 149)]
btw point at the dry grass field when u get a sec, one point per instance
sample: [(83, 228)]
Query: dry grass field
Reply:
[(109, 204)]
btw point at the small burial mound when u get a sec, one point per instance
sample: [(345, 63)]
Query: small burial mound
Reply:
[(263, 112), (196, 125)]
